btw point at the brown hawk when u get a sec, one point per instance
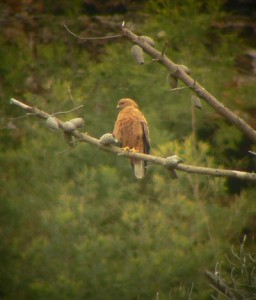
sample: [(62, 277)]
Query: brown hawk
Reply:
[(131, 130)]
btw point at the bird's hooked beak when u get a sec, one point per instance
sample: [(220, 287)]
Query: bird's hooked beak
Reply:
[(118, 107)]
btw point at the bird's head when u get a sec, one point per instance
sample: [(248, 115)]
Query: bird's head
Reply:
[(125, 102)]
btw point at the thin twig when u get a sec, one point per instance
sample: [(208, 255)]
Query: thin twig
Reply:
[(231, 262), (232, 277), (234, 253), (93, 38), (64, 151), (165, 45), (70, 94), (190, 291), (253, 153), (252, 259), (68, 111), (22, 117), (242, 245), (179, 88)]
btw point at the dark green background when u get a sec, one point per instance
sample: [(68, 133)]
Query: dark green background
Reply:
[(75, 223)]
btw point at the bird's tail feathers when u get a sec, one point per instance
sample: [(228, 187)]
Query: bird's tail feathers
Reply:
[(139, 168)]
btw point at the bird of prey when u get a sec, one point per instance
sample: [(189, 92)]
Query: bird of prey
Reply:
[(131, 130)]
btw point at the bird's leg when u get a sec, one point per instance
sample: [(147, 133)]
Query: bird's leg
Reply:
[(125, 149), (133, 150)]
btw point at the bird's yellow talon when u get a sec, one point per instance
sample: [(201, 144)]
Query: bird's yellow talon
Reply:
[(133, 150), (126, 149)]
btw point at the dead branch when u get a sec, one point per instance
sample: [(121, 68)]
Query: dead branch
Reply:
[(167, 162), (180, 73), (221, 286), (92, 38)]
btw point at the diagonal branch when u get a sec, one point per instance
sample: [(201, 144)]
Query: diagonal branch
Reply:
[(84, 137), (179, 73), (221, 286)]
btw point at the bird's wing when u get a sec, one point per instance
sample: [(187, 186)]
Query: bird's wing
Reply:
[(146, 140)]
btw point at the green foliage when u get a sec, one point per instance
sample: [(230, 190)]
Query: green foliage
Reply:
[(10, 71), (92, 233), (76, 224)]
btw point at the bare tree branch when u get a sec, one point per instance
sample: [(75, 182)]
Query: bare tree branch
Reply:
[(167, 162), (92, 38), (221, 286), (179, 73)]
